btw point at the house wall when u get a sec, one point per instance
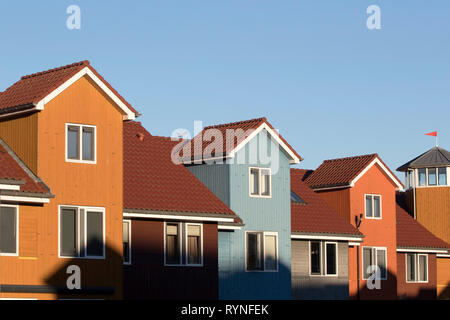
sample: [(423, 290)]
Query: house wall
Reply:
[(338, 199), (305, 286), (443, 278), (98, 185), (216, 177), (410, 290), (148, 278)]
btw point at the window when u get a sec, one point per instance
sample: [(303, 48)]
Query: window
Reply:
[(295, 198), (8, 230), (416, 267), (323, 254), (80, 143), (374, 257), (126, 241), (262, 251), (442, 173), (432, 176), (183, 244), (422, 177), (410, 179), (81, 232), (260, 182), (373, 206)]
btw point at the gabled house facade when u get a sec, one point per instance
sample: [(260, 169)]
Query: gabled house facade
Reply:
[(320, 245), (362, 189), (250, 173), (65, 125)]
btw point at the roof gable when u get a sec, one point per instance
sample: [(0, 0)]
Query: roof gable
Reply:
[(436, 156)]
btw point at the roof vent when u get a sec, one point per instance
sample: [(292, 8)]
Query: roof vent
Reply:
[(140, 136)]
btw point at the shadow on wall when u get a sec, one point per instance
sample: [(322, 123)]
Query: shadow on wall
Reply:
[(445, 294), (88, 278), (309, 289)]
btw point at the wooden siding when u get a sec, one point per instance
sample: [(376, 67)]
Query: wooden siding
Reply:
[(20, 133), (443, 278), (305, 286), (339, 199), (216, 177)]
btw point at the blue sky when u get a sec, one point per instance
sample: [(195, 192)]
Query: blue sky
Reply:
[(331, 86)]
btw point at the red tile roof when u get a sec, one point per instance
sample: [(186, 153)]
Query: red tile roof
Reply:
[(31, 89), (153, 182), (14, 171), (315, 216), (240, 129), (411, 234)]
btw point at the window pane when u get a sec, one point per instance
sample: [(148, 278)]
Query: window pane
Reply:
[(8, 230), (270, 250), (73, 143), (194, 243), (94, 234), (369, 206), (442, 176), (254, 183), (254, 252), (431, 176), (172, 244), (295, 198), (367, 262), (410, 267), (88, 143), (126, 241), (315, 257), (381, 262), (377, 206), (422, 177), (423, 268), (265, 183), (331, 258), (68, 230)]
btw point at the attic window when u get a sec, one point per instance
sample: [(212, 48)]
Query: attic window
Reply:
[(80, 143), (296, 199)]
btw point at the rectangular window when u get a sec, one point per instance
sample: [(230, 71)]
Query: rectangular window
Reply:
[(374, 259), (8, 230), (431, 176), (173, 248), (323, 258), (262, 251), (126, 241), (416, 267), (80, 143), (373, 206), (422, 177), (194, 245), (81, 232), (183, 244), (442, 172), (260, 182)]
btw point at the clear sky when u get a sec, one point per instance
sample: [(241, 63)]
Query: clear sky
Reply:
[(331, 86)]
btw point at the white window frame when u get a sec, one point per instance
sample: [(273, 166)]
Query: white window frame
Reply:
[(437, 185), (323, 259), (376, 260), (186, 245), (259, 195), (79, 240), (372, 202), (180, 256), (416, 265), (17, 231), (81, 126), (182, 244), (264, 233), (129, 241)]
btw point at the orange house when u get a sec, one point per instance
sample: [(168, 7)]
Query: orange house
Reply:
[(362, 189), (64, 126)]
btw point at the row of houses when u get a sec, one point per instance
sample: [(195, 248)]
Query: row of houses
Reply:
[(92, 205)]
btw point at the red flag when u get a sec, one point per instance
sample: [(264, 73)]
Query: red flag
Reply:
[(434, 134)]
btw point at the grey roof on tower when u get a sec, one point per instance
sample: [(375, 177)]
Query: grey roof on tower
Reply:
[(434, 157)]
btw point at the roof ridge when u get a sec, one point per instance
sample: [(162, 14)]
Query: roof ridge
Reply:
[(235, 123), (352, 157), (75, 64)]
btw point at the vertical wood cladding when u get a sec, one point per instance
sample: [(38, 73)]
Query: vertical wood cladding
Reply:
[(338, 199), (443, 278), (148, 278)]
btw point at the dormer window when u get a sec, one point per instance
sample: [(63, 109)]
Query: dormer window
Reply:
[(80, 143), (260, 182)]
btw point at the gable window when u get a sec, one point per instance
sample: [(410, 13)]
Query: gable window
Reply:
[(323, 258), (373, 206), (374, 257), (416, 267), (80, 143), (126, 241), (260, 182), (81, 232), (442, 176), (8, 230), (183, 244), (262, 251)]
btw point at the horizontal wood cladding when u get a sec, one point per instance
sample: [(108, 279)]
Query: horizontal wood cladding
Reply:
[(21, 134), (433, 210)]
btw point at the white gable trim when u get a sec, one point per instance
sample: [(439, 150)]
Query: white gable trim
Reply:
[(383, 167), (129, 115)]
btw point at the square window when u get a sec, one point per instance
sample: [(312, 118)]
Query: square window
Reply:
[(262, 251), (374, 259), (80, 143), (183, 244)]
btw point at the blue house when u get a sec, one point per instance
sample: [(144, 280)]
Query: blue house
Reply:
[(247, 165)]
